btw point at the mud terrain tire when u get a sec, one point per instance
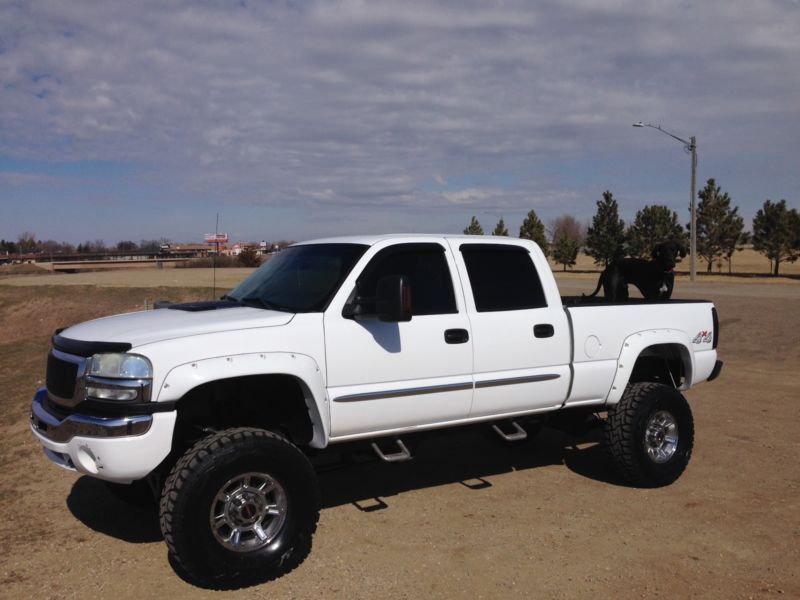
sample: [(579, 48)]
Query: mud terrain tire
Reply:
[(239, 507), (650, 434)]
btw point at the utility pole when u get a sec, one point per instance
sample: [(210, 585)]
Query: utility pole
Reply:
[(692, 204)]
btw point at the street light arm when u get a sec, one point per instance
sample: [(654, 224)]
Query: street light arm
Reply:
[(686, 143)]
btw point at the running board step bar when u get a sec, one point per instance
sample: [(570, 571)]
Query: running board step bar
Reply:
[(515, 436), (401, 455)]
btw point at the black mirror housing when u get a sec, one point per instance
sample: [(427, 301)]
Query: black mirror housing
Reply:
[(393, 299)]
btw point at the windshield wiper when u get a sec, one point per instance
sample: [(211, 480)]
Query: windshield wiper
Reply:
[(265, 304)]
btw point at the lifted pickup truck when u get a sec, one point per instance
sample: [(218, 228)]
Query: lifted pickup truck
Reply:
[(216, 406)]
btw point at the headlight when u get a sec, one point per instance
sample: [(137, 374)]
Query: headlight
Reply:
[(122, 366), (121, 377)]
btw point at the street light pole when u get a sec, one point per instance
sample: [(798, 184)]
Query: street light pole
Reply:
[(691, 147), (693, 237)]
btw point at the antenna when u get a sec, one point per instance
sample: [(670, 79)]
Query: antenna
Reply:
[(214, 261)]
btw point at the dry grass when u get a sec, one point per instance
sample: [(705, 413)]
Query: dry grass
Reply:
[(29, 316), (226, 279), (745, 262), (24, 269)]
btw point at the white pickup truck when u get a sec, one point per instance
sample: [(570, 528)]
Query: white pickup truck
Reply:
[(215, 407)]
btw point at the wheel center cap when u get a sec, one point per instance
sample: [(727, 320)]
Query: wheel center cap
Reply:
[(248, 511)]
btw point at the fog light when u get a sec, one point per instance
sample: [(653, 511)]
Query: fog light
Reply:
[(102, 393), (87, 460)]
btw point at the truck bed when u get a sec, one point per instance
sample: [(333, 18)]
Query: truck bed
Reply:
[(604, 333)]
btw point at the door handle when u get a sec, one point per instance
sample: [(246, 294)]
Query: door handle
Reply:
[(543, 330), (456, 336)]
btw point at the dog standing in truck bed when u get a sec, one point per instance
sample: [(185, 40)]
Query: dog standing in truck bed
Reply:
[(654, 278)]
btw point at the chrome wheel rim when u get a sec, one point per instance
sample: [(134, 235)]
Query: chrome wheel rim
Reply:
[(661, 437), (248, 512)]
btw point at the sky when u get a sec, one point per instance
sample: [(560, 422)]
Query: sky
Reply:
[(139, 120)]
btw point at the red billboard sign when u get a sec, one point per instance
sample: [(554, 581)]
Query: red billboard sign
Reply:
[(216, 238)]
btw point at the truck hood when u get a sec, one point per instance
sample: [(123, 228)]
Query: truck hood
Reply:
[(150, 326)]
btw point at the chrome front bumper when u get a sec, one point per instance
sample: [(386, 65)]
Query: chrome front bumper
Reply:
[(61, 431), (120, 449)]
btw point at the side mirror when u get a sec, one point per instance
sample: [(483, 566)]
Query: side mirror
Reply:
[(393, 299)]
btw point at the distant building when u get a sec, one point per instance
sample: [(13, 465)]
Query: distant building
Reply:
[(186, 249)]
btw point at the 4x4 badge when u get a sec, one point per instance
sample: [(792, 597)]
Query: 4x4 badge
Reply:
[(704, 337)]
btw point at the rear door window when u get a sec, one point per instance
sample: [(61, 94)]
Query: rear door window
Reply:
[(502, 277)]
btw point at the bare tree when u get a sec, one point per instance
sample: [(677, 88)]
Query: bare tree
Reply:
[(568, 236), (26, 242)]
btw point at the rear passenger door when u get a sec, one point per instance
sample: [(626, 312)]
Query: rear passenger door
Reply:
[(521, 346)]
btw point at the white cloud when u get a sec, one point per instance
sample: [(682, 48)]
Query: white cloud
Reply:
[(360, 103), (469, 196)]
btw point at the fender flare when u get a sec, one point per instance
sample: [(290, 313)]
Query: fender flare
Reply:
[(183, 378), (635, 344)]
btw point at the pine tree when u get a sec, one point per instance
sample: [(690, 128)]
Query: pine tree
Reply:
[(653, 225), (249, 257), (606, 234), (776, 233), (533, 229), (8, 247), (565, 250), (719, 228), (500, 228), (474, 228), (734, 238)]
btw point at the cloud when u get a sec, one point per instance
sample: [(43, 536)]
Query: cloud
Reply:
[(469, 196), (317, 194), (12, 178), (359, 103)]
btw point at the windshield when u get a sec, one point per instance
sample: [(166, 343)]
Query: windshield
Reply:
[(299, 278)]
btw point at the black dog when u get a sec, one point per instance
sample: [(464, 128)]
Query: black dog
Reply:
[(654, 278)]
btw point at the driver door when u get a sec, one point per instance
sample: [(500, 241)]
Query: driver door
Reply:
[(385, 377)]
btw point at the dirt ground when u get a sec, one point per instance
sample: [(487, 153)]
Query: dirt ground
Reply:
[(470, 516)]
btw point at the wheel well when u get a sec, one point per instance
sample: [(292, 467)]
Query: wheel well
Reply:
[(663, 363), (273, 402)]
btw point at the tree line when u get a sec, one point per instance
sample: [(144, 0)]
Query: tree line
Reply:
[(720, 231), (27, 243)]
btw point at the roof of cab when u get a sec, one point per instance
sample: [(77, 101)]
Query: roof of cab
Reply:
[(370, 240)]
